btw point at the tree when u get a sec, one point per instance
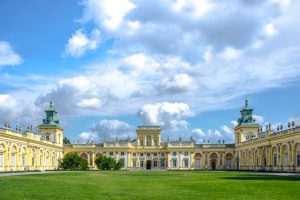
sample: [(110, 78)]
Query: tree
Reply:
[(108, 163), (72, 161), (66, 141)]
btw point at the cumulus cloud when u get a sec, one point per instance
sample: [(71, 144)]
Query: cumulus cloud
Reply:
[(79, 43), (178, 84), (18, 112), (106, 13), (108, 130), (7, 54), (76, 95), (170, 116)]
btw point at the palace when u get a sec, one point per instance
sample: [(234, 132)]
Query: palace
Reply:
[(253, 148)]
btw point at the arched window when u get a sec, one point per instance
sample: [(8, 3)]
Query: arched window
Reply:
[(228, 157)]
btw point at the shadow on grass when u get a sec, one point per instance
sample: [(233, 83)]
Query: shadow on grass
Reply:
[(262, 177)]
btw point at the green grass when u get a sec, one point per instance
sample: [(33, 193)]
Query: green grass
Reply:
[(149, 185)]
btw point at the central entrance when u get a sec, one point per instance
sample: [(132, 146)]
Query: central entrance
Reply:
[(148, 165)]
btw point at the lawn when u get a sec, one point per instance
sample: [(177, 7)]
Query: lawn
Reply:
[(149, 185)]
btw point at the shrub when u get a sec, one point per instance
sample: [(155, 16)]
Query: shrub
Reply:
[(108, 163), (72, 161)]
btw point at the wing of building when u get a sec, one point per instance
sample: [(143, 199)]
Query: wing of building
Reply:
[(252, 149)]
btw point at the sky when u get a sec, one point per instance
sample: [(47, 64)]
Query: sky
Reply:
[(185, 65)]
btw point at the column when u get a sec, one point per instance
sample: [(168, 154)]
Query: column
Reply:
[(93, 160)]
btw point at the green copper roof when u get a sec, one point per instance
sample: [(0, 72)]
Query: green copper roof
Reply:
[(246, 115), (51, 116)]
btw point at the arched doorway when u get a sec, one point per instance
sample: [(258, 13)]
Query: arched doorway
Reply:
[(197, 158), (213, 161), (228, 158)]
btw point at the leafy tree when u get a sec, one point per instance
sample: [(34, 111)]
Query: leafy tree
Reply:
[(66, 141), (108, 163), (73, 161)]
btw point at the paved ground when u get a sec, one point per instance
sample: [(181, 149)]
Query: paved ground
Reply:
[(26, 173)]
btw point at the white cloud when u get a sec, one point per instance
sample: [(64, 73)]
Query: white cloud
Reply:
[(270, 30), (79, 43), (178, 84), (170, 116), (7, 55), (230, 54), (108, 130), (77, 95), (258, 118), (107, 13)]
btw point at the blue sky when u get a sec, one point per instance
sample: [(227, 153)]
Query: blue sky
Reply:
[(186, 65)]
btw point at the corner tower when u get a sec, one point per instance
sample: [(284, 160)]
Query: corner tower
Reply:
[(247, 128), (50, 129)]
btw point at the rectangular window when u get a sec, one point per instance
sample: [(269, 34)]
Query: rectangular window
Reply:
[(134, 163), (134, 154), (162, 162), (13, 160), (111, 153), (122, 153), (162, 154), (275, 160), (141, 154), (141, 142), (155, 154), (186, 153), (286, 159), (155, 142), (186, 162), (1, 160), (23, 160), (174, 153), (298, 159), (174, 162), (41, 160), (148, 140), (141, 163), (148, 154), (122, 161), (155, 163)]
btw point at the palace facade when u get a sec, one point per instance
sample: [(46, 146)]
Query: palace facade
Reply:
[(253, 148)]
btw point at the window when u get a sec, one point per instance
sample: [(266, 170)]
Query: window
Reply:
[(162, 154), (155, 154), (1, 159), (155, 163), (155, 142), (148, 140), (162, 162), (122, 153), (134, 163), (141, 154), (111, 153), (13, 160), (174, 162), (275, 160), (298, 159), (174, 153), (186, 153), (148, 154), (53, 162), (41, 160), (286, 159), (122, 161), (134, 154), (141, 142), (23, 160), (186, 162), (141, 163)]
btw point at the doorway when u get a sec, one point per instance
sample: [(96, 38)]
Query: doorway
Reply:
[(148, 166), (213, 164)]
